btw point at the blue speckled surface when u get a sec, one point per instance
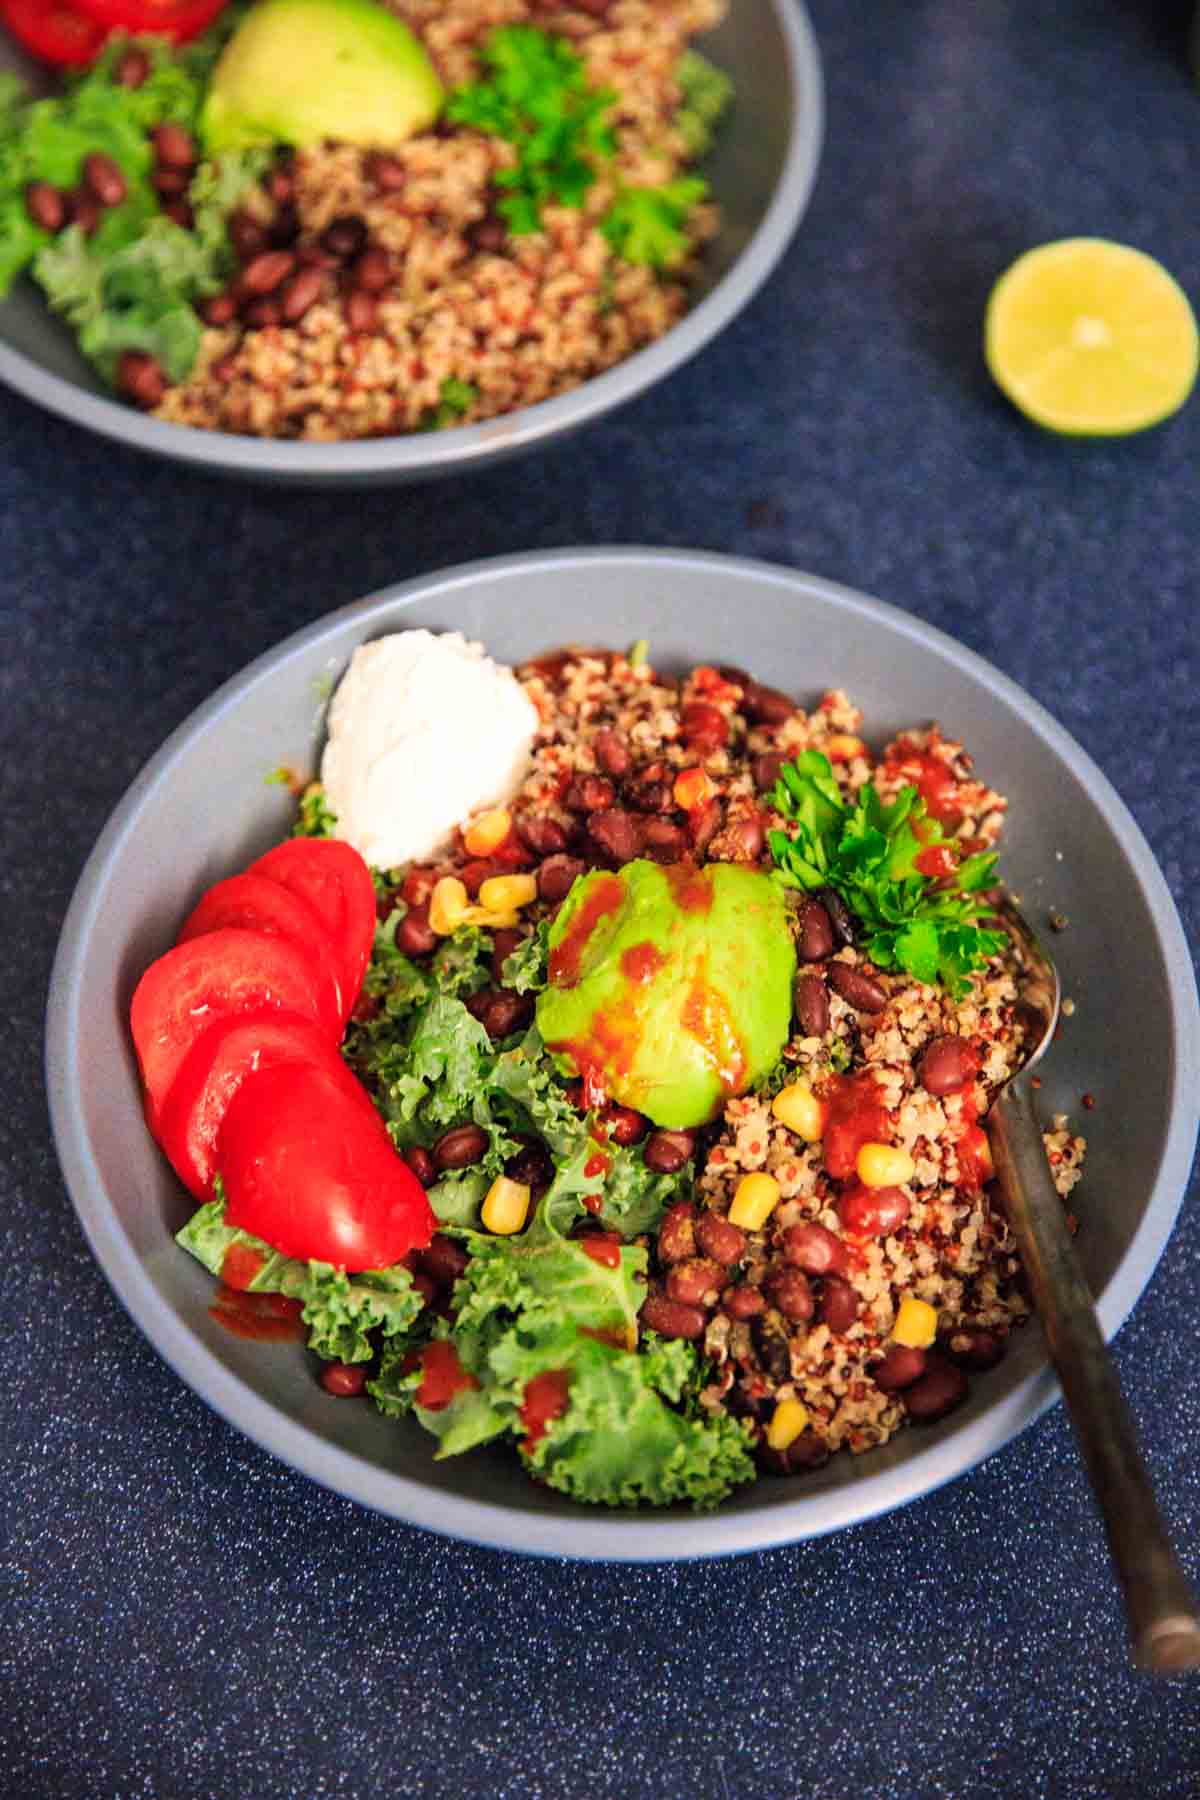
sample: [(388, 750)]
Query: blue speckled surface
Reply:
[(181, 1617)]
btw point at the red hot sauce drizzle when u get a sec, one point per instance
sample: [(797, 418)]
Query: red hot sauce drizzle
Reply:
[(705, 1017), (269, 1318), (691, 888), (641, 962), (856, 1116), (933, 779), (972, 1148), (566, 959)]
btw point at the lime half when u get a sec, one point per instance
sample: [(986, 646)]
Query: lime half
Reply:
[(1091, 338)]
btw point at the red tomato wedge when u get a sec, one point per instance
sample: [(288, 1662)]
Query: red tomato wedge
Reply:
[(58, 34), (336, 883), (176, 19), (311, 1170), (256, 903), (214, 1069), (211, 978)]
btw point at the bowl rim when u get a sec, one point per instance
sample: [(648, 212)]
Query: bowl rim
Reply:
[(460, 448), (633, 1537)]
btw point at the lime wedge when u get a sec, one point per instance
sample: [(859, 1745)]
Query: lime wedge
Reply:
[(1091, 338)]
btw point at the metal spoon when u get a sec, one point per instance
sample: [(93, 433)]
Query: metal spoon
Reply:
[(1164, 1624)]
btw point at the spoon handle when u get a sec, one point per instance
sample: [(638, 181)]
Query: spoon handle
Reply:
[(1164, 1624)]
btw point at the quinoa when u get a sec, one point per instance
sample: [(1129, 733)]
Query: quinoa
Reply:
[(505, 323), (613, 737)]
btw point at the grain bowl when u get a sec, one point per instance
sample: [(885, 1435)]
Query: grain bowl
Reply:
[(1068, 837)]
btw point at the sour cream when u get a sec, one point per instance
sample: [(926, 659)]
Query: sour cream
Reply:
[(424, 730)]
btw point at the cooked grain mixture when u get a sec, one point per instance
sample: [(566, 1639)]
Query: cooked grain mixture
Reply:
[(398, 300), (866, 1305)]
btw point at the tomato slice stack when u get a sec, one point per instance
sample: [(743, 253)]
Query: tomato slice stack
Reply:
[(237, 1030)]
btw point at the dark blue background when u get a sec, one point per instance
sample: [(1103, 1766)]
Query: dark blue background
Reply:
[(182, 1617)]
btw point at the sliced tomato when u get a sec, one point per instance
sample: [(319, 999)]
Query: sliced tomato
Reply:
[(336, 883), (211, 978), (312, 1171), (214, 1069), (256, 903), (59, 34), (176, 19)]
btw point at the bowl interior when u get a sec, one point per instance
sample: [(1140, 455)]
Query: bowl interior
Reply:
[(203, 807), (760, 172)]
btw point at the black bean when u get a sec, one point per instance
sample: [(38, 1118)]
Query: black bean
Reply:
[(946, 1064), (857, 988), (141, 378), (938, 1391), (840, 916), (616, 834), (765, 705), (459, 1147), (46, 206), (557, 876), (105, 178), (667, 1151), (174, 146), (815, 941), (812, 1006), (421, 1164), (345, 236)]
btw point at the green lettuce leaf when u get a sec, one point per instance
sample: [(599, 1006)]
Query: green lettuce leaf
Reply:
[(340, 1310), (619, 1444), (525, 969)]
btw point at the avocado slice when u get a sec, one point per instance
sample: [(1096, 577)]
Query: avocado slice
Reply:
[(303, 71), (673, 985)]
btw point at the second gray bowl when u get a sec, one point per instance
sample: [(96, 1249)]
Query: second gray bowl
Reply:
[(761, 173)]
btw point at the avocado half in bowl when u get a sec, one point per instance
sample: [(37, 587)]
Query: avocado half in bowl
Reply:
[(759, 170), (1068, 839)]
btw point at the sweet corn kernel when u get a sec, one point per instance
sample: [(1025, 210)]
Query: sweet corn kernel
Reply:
[(447, 905), (488, 831), (797, 1107), (842, 747), (787, 1422), (884, 1165), (507, 893), (916, 1323), (754, 1202), (491, 921), (505, 1206), (692, 789)]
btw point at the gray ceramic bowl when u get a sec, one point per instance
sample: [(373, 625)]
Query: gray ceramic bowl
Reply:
[(201, 808), (761, 172)]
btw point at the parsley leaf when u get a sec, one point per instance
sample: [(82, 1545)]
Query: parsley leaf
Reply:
[(868, 854), (705, 92), (646, 224), (538, 99), (456, 398)]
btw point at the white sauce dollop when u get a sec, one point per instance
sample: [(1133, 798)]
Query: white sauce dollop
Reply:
[(424, 730)]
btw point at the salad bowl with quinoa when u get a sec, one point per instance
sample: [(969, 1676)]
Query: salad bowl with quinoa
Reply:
[(496, 206), (593, 1127)]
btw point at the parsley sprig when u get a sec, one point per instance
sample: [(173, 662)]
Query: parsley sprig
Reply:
[(867, 853), (646, 224), (538, 99)]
